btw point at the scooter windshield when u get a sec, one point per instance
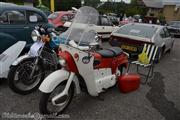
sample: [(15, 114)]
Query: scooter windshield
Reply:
[(81, 29)]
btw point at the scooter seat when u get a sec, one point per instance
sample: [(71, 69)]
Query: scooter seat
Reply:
[(110, 52), (116, 50), (106, 53)]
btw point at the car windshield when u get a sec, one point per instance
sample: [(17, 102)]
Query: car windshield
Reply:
[(53, 15), (137, 30), (113, 19), (174, 24)]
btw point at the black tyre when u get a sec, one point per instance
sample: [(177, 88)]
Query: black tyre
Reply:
[(19, 77), (160, 54), (46, 106), (171, 47)]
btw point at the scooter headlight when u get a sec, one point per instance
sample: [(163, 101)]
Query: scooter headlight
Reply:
[(35, 35), (62, 62)]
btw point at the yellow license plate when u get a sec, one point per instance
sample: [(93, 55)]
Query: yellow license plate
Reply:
[(129, 48)]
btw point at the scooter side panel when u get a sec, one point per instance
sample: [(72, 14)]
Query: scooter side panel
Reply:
[(121, 60), (9, 56), (112, 63), (104, 79)]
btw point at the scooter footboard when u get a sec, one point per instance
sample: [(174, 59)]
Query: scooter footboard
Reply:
[(54, 79)]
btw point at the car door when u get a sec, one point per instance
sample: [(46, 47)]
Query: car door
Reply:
[(168, 38), (165, 39), (33, 19), (16, 24), (13, 26)]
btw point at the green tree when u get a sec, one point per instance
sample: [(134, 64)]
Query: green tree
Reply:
[(113, 7), (67, 4), (133, 2), (133, 8), (107, 7), (19, 2), (43, 5), (93, 3)]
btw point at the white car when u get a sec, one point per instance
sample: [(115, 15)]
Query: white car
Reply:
[(104, 28), (131, 37)]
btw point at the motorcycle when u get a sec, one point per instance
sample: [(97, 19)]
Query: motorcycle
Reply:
[(28, 71), (9, 56), (83, 67)]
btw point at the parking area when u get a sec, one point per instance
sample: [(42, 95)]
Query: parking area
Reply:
[(158, 100)]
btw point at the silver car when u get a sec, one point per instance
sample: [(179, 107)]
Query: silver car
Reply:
[(131, 37)]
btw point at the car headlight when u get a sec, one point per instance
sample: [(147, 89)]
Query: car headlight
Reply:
[(35, 35), (62, 62)]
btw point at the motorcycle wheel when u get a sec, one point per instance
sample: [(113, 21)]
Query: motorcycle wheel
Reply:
[(46, 106), (19, 77)]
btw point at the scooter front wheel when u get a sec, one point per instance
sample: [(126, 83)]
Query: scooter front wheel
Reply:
[(47, 107), (19, 76)]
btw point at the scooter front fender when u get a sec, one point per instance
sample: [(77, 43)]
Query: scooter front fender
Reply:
[(54, 79)]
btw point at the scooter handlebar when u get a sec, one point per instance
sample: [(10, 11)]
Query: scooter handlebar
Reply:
[(73, 44)]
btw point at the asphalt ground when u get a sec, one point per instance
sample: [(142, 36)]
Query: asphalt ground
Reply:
[(157, 100)]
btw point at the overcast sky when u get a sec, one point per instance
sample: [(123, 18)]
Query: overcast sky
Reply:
[(127, 1)]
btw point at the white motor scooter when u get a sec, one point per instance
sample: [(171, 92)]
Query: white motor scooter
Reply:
[(84, 68), (9, 56)]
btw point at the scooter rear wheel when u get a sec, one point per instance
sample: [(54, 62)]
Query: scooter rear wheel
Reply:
[(46, 106)]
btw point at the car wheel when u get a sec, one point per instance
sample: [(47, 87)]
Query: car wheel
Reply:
[(160, 54), (171, 47)]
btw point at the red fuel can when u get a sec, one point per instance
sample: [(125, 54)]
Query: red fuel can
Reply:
[(128, 82)]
